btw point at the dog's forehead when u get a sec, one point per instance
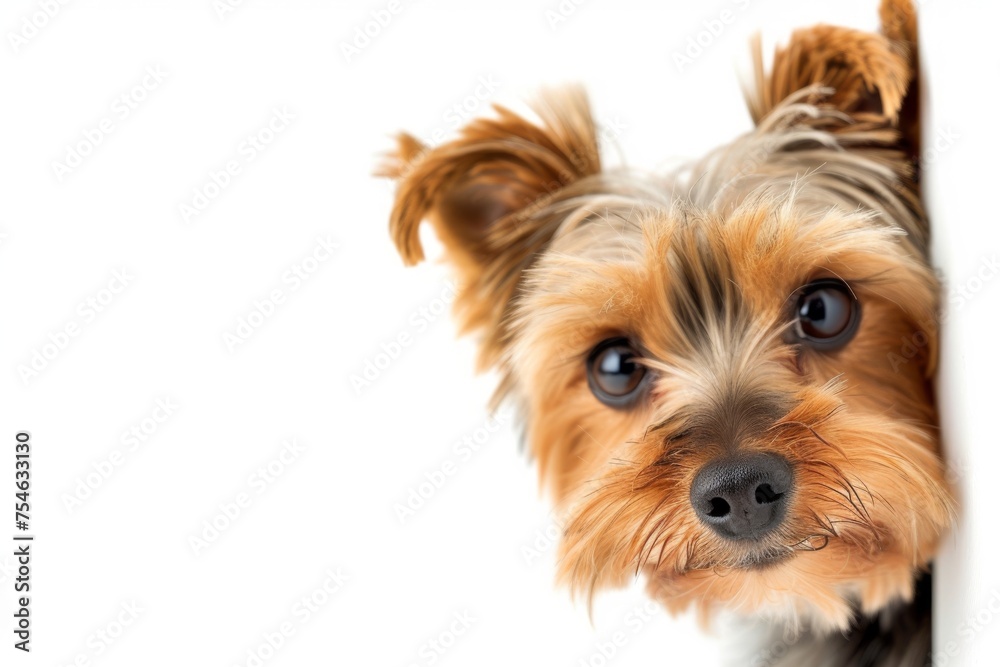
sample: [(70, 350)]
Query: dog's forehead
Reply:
[(673, 275), (739, 256)]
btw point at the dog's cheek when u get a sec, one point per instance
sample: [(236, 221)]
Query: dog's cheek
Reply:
[(574, 437), (898, 486), (887, 364)]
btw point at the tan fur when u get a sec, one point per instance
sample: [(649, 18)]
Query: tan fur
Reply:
[(699, 266), (480, 191)]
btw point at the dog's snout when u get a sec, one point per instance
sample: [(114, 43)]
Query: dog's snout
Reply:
[(743, 497)]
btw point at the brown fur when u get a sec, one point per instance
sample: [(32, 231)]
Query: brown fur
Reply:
[(558, 255)]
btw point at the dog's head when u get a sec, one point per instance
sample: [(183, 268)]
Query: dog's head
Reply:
[(725, 375)]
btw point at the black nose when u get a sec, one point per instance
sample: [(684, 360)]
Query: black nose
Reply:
[(743, 497)]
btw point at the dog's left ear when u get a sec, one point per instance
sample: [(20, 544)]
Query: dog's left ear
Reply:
[(874, 76), (486, 193)]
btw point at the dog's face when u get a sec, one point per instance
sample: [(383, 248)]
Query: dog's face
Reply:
[(714, 397), (724, 376)]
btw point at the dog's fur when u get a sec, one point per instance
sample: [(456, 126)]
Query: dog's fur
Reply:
[(557, 254)]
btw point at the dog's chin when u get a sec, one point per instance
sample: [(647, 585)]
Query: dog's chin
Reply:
[(823, 589), (751, 560), (763, 559)]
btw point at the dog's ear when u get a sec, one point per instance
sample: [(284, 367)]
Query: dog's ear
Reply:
[(873, 76), (485, 193)]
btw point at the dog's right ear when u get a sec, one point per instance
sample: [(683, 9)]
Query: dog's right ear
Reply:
[(485, 193)]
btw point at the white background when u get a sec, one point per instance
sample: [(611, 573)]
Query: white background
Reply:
[(478, 545)]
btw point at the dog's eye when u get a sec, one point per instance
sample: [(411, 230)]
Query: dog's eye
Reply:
[(613, 374), (827, 314)]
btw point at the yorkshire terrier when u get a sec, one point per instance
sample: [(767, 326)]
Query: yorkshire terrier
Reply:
[(725, 374)]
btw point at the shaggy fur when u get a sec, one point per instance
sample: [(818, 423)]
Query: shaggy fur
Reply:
[(558, 254)]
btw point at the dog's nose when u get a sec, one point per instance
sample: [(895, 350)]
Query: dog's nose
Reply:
[(743, 497)]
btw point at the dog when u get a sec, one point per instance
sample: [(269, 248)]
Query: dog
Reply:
[(725, 374)]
